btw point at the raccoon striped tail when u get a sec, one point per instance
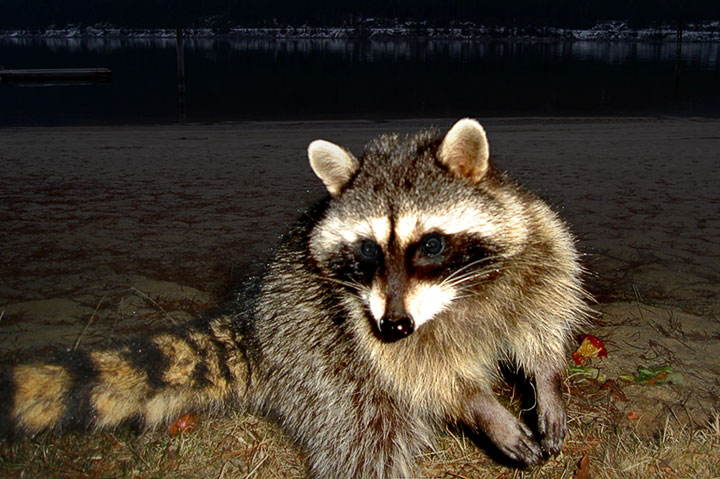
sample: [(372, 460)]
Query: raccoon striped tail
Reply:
[(142, 381)]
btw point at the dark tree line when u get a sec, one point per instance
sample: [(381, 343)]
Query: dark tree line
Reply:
[(225, 13)]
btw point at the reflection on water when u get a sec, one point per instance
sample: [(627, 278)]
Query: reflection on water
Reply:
[(704, 54), (306, 78)]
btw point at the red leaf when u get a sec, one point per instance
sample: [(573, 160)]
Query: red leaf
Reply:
[(590, 347), (583, 468), (185, 423)]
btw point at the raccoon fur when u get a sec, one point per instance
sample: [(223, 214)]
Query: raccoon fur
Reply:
[(382, 316)]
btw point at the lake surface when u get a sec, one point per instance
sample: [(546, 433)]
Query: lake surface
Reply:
[(262, 79)]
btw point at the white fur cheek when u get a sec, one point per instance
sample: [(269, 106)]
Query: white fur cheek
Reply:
[(426, 300), (375, 299)]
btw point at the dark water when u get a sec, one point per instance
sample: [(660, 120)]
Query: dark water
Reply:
[(319, 79)]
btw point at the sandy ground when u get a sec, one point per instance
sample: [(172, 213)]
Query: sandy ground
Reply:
[(116, 230)]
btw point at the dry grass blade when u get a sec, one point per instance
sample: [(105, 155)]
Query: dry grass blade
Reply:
[(154, 303), (87, 325)]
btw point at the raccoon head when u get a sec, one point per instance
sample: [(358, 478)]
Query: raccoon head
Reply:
[(409, 229)]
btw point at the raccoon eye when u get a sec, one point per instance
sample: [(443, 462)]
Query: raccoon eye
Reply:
[(432, 245), (369, 250)]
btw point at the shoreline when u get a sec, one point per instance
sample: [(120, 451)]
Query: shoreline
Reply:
[(613, 31), (419, 121)]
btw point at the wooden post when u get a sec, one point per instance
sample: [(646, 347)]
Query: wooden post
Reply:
[(181, 74)]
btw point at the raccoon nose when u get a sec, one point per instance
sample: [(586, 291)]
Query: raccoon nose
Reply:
[(393, 329)]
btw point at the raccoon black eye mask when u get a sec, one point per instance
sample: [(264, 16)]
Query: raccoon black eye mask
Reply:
[(433, 258), (381, 317)]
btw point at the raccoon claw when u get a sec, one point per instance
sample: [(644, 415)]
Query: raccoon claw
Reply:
[(553, 427), (524, 449)]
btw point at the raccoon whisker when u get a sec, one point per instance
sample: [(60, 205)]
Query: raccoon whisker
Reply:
[(471, 282), (464, 296), (472, 275), (468, 266), (465, 282), (466, 277), (350, 284), (539, 262), (470, 287), (461, 279), (468, 291)]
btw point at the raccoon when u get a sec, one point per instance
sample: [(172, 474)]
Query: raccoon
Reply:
[(382, 316)]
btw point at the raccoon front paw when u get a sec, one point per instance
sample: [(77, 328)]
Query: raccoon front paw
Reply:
[(552, 426), (520, 445)]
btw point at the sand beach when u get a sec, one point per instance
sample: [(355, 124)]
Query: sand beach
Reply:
[(115, 230)]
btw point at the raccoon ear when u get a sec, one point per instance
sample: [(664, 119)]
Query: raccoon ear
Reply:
[(465, 150), (333, 164)]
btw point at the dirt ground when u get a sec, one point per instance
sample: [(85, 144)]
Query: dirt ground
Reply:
[(110, 231)]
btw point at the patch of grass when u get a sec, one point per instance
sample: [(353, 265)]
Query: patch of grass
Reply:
[(235, 446), (674, 451), (243, 447)]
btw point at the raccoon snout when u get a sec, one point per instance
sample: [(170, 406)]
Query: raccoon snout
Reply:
[(393, 329)]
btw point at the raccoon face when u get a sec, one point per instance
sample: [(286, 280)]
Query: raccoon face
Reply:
[(407, 233)]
